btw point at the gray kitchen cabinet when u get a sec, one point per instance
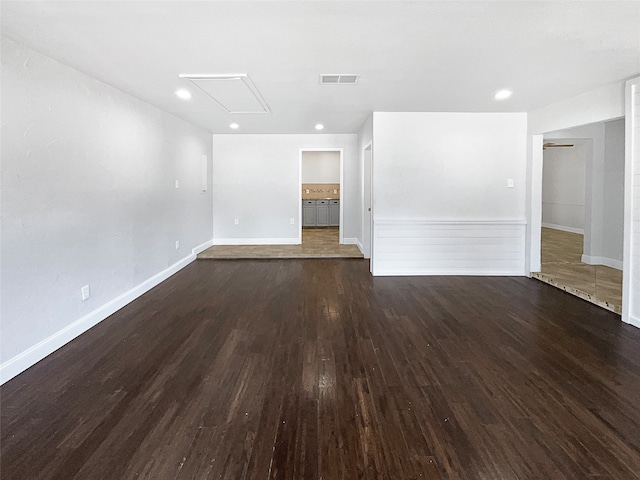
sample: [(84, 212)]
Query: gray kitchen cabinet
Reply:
[(309, 213), (323, 213), (334, 213)]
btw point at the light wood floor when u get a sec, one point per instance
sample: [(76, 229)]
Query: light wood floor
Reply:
[(562, 267), (316, 243)]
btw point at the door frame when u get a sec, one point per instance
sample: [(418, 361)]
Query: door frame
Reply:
[(342, 195), (574, 118), (367, 147), (630, 237)]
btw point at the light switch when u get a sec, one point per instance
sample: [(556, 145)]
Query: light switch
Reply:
[(85, 292), (510, 182), (177, 184)]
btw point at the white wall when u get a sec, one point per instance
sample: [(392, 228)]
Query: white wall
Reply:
[(613, 191), (88, 198), (563, 182), (442, 204), (256, 179), (320, 167), (604, 103)]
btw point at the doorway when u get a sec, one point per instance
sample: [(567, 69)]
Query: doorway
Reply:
[(321, 200), (582, 212)]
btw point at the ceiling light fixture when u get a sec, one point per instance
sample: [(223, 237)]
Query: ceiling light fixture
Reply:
[(183, 94), (319, 126), (502, 94), (234, 126)]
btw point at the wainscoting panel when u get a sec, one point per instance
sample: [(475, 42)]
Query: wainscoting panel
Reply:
[(423, 247)]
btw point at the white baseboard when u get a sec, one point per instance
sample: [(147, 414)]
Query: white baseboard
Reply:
[(596, 260), (202, 247), (360, 246), (256, 241), (563, 228), (350, 241), (631, 320), (37, 352), (447, 272)]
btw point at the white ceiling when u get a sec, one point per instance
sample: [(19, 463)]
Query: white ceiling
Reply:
[(412, 56)]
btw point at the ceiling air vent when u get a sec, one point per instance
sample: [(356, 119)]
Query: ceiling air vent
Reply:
[(338, 78)]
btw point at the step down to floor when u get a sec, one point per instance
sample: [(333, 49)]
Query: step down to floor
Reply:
[(578, 293)]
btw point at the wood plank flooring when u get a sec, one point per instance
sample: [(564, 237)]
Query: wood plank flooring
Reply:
[(313, 369), (562, 267), (321, 242)]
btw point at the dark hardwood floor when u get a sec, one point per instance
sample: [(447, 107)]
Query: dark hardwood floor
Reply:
[(312, 369)]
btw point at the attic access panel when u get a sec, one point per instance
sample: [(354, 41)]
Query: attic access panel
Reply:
[(233, 93)]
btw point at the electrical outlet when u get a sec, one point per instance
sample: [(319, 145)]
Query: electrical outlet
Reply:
[(292, 221), (510, 182), (177, 244), (85, 292), (177, 184), (236, 221)]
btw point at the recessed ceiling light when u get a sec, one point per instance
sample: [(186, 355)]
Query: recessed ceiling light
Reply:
[(235, 126), (183, 94), (319, 126), (502, 94)]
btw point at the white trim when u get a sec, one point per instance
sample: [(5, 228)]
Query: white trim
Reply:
[(563, 228), (367, 203), (18, 364), (360, 246), (256, 241), (596, 260), (445, 272), (351, 241), (635, 321), (631, 140), (534, 203), (299, 197), (451, 221), (342, 197), (449, 247), (202, 247)]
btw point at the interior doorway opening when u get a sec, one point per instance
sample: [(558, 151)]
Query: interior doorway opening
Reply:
[(582, 198), (321, 200)]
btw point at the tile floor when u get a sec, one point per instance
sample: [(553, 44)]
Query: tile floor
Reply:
[(562, 268), (316, 243)]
